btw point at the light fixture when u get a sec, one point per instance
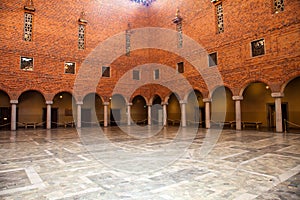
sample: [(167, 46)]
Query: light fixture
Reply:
[(144, 2), (267, 87)]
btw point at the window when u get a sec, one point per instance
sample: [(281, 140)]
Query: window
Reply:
[(136, 75), (212, 59), (26, 64), (28, 20), (278, 6), (81, 39), (105, 71), (180, 67), (258, 47), (219, 13), (156, 74), (69, 68)]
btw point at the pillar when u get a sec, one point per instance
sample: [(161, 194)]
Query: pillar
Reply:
[(149, 114), (13, 123), (165, 114), (48, 118), (79, 103), (183, 112), (105, 104), (129, 114), (278, 111), (207, 102), (238, 115)]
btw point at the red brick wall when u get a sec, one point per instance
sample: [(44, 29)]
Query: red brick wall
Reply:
[(55, 33)]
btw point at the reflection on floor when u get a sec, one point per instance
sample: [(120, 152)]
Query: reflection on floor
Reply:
[(149, 164)]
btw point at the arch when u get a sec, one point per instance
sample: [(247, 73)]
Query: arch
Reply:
[(174, 109), (249, 82), (31, 108), (287, 82), (139, 113), (195, 110), (92, 110), (64, 108), (118, 110), (152, 99), (5, 111)]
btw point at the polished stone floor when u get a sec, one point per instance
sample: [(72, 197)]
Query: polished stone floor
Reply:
[(149, 163)]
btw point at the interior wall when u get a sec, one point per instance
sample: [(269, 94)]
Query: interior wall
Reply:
[(118, 102), (139, 110), (222, 107), (63, 101), (174, 112), (292, 97), (254, 104), (95, 104), (30, 107)]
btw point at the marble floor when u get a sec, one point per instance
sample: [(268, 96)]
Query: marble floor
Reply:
[(149, 163)]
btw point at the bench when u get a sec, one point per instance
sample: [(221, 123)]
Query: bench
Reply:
[(256, 124)]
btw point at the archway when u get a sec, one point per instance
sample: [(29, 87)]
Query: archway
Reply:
[(174, 111), (118, 110), (222, 108), (156, 111), (255, 105), (92, 110), (30, 109), (291, 99), (139, 112), (62, 108), (5, 111), (195, 107)]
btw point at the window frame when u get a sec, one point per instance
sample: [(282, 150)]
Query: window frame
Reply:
[(65, 63), (109, 71)]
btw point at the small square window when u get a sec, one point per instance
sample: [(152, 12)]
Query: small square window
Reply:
[(69, 68), (136, 75), (258, 47), (212, 59), (156, 74), (26, 63), (105, 71), (180, 67)]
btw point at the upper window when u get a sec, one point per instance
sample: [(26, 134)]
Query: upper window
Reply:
[(258, 47), (81, 36), (136, 75), (28, 20), (180, 67), (26, 63), (219, 13), (156, 74), (105, 71), (278, 6), (69, 68), (212, 59)]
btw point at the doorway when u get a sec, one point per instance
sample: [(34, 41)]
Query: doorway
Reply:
[(54, 117), (272, 115), (86, 117), (115, 117), (5, 118)]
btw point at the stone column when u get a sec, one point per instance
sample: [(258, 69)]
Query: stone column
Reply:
[(105, 104), (48, 118), (278, 111), (207, 102), (13, 122), (183, 112), (238, 115), (129, 114), (165, 114), (149, 114), (79, 103)]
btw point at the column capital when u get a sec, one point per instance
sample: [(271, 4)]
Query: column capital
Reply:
[(164, 104), (105, 103), (277, 95), (237, 98), (14, 101), (49, 102), (207, 100), (79, 102), (129, 104), (149, 105), (183, 101)]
